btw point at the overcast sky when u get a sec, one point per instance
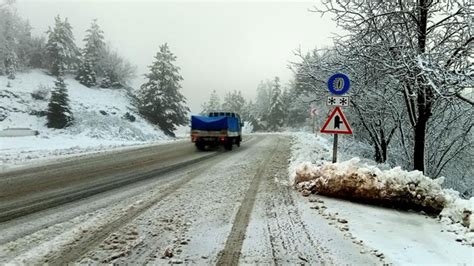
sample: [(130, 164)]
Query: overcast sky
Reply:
[(221, 45)]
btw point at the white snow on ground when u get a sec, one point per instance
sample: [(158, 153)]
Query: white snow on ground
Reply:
[(308, 148), (18, 152), (457, 212), (404, 238), (395, 233), (80, 226), (99, 120)]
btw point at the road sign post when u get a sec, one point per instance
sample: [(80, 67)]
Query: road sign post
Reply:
[(338, 84), (313, 112), (336, 124)]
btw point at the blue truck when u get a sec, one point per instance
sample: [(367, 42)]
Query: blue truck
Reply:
[(218, 128)]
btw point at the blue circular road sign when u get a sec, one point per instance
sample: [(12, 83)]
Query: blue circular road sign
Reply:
[(338, 84)]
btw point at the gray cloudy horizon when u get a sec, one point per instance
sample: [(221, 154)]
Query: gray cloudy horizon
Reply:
[(222, 46)]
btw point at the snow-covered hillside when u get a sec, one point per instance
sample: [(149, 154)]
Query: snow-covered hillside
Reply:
[(100, 119)]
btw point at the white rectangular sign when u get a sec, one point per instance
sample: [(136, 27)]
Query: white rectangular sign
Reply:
[(341, 101)]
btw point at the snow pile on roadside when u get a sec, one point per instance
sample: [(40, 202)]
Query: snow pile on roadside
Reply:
[(457, 216), (394, 187), (307, 148)]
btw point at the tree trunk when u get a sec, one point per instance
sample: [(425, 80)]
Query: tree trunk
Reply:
[(380, 153), (419, 148), (423, 6), (384, 147), (424, 95), (377, 154)]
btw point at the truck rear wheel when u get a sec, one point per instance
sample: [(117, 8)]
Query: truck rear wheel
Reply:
[(228, 145), (200, 146)]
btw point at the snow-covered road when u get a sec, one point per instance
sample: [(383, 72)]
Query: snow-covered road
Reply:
[(227, 209), (281, 231)]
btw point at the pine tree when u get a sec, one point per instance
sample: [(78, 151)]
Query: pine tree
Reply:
[(246, 112), (2, 67), (86, 74), (233, 102), (95, 44), (94, 47), (10, 57), (287, 101), (214, 104), (296, 107), (62, 51), (16, 43), (114, 69), (111, 80), (106, 81), (263, 104), (59, 113), (11, 64), (277, 114), (159, 99)]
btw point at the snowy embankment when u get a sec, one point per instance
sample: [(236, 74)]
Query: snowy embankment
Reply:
[(312, 173), (104, 119)]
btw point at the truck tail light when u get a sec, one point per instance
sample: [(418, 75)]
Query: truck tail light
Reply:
[(222, 139)]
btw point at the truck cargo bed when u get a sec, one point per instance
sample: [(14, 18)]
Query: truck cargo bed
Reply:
[(216, 129), (213, 124)]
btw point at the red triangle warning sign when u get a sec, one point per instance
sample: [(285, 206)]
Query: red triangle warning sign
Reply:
[(336, 123)]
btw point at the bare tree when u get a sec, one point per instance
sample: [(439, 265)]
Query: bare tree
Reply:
[(371, 96), (424, 46)]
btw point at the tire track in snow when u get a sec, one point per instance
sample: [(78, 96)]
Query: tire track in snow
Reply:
[(278, 235), (57, 184), (16, 210), (85, 236), (289, 237), (230, 255), (148, 250), (81, 246)]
